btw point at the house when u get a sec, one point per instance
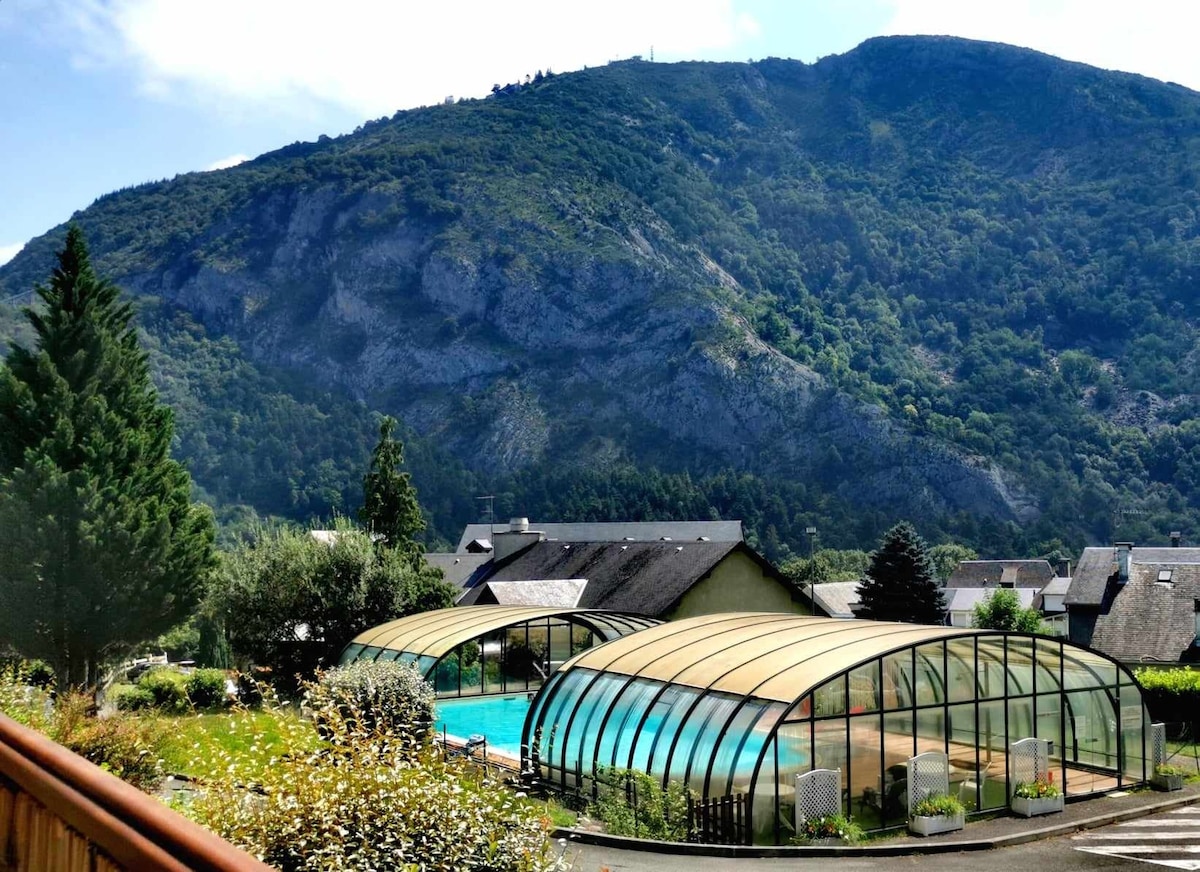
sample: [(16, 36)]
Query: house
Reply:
[(838, 599), (666, 579), (1035, 582), (480, 537), (1137, 604)]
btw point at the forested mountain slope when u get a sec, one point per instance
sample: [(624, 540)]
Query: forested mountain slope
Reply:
[(930, 278)]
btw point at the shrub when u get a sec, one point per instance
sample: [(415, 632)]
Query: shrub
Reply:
[(39, 673), (369, 698), (168, 689), (1039, 788), (1172, 695), (632, 803), (21, 701), (833, 826), (132, 698), (1167, 769), (206, 688), (937, 805), (374, 804), (127, 747)]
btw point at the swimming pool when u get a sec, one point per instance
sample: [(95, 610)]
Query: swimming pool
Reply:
[(499, 718)]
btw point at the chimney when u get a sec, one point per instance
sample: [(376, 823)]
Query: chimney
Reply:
[(517, 537), (1063, 570), (1123, 549), (1175, 537)]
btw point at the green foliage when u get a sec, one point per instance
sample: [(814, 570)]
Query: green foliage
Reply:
[(1039, 788), (102, 547), (366, 698), (132, 698), (937, 805), (180, 643), (167, 687), (1167, 769), (834, 826), (1177, 681), (947, 556), (206, 688), (632, 803), (390, 508), (899, 585), (287, 589), (1002, 610), (375, 803)]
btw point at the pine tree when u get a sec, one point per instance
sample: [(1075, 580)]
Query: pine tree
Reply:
[(101, 548), (390, 508), (900, 585)]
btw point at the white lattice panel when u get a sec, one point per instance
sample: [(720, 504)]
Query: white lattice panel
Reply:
[(818, 794), (928, 774), (1028, 761), (1158, 739)]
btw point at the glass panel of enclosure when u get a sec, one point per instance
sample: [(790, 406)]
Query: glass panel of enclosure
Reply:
[(967, 777), (1019, 660), (960, 669), (931, 674), (1134, 732), (898, 742), (993, 754)]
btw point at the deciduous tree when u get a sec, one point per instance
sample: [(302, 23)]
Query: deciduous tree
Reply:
[(1002, 610)]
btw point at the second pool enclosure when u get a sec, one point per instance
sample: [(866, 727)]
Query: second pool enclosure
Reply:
[(738, 704)]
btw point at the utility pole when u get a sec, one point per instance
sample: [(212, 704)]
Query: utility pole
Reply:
[(812, 585)]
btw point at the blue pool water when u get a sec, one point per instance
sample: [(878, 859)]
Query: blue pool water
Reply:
[(499, 718)]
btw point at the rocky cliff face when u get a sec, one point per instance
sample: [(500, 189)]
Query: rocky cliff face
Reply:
[(556, 354)]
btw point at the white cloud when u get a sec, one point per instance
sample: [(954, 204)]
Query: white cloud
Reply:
[(227, 162), (376, 56), (8, 252), (1152, 37)]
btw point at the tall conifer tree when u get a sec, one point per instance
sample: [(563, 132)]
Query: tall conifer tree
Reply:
[(900, 585), (390, 507), (101, 547)]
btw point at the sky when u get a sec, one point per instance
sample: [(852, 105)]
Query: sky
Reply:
[(97, 95)]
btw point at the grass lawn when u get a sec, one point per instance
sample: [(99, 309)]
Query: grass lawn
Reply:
[(1185, 754), (204, 745)]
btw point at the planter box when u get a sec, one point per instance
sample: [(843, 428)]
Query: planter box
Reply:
[(825, 843), (1167, 782), (1027, 807), (931, 826)]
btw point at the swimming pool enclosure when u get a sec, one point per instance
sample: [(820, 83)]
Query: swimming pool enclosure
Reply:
[(739, 704), (475, 650)]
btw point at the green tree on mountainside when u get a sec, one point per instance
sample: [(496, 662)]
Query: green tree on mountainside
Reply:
[(390, 508), (101, 547), (900, 585)]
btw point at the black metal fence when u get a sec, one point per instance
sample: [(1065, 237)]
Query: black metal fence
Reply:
[(720, 820)]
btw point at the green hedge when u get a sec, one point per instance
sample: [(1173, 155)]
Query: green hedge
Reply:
[(1172, 695)]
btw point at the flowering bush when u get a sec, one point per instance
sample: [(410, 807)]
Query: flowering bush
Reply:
[(834, 826), (375, 803), (937, 805), (1039, 788), (367, 698)]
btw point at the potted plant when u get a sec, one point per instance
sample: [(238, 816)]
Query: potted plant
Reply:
[(936, 813), (831, 829), (1040, 796), (1168, 776)]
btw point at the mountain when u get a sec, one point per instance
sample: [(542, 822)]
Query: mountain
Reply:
[(931, 278)]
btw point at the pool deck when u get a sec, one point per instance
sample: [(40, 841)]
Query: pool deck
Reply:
[(488, 757)]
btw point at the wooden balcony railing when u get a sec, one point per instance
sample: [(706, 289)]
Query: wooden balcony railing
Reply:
[(59, 812)]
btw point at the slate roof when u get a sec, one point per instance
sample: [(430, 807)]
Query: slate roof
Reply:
[(964, 599), (836, 597), (644, 577), (1097, 566), (1034, 574), (639, 531), (563, 592), (1144, 620), (458, 569)]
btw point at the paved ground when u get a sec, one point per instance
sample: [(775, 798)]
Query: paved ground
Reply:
[(1163, 839)]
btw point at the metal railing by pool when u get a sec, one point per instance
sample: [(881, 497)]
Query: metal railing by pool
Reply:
[(58, 811)]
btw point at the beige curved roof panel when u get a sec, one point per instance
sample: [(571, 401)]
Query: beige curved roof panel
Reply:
[(436, 633), (765, 654)]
